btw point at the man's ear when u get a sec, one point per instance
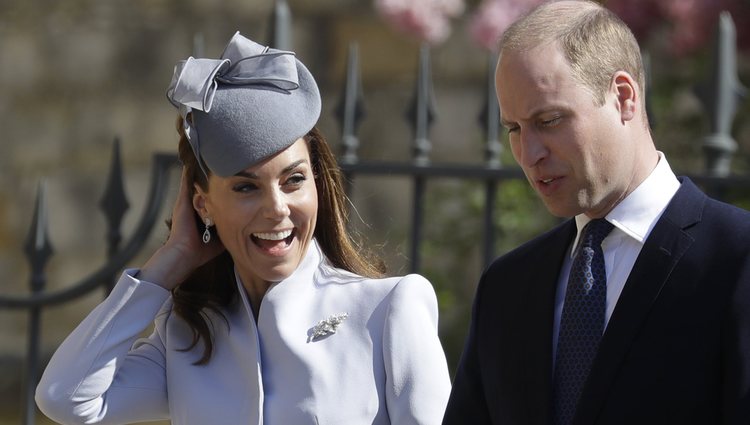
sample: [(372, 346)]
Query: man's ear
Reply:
[(199, 201), (628, 97)]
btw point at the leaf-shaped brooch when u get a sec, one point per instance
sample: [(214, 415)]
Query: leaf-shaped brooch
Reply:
[(327, 326)]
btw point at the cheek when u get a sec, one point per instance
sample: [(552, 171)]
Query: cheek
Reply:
[(233, 217), (306, 206), (515, 148), (312, 206)]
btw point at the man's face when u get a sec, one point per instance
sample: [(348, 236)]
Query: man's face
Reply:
[(572, 150)]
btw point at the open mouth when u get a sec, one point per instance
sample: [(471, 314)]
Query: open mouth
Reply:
[(273, 241)]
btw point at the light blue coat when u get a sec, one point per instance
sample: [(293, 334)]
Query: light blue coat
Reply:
[(384, 364)]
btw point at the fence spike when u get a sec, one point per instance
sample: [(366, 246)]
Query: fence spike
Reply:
[(720, 95), (490, 117), (38, 247), (421, 111), (350, 110), (114, 203), (157, 193), (280, 28)]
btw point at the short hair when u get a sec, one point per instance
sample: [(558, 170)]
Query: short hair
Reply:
[(595, 42)]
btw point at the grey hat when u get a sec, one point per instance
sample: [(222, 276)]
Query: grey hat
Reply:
[(246, 106)]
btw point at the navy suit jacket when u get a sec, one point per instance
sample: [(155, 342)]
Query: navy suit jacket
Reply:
[(676, 349)]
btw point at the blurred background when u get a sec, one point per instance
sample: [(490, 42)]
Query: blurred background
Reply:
[(75, 75)]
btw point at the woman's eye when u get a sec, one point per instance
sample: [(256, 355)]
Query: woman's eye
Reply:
[(296, 179), (243, 187)]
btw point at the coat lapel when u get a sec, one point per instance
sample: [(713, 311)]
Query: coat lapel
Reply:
[(661, 253), (539, 309)]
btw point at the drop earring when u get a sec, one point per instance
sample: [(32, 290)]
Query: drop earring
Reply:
[(207, 232)]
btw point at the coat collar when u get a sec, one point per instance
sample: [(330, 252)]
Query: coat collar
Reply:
[(661, 253)]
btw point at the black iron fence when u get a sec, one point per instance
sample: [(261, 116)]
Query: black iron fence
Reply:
[(719, 93)]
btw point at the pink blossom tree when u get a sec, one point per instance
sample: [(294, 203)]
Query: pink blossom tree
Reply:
[(493, 17), (426, 20), (688, 24)]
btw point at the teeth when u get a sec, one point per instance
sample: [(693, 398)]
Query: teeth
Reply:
[(547, 181), (275, 236)]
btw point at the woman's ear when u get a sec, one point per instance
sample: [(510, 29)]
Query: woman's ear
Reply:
[(626, 90), (199, 201)]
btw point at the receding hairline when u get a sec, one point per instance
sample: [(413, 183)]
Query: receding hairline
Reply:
[(533, 30)]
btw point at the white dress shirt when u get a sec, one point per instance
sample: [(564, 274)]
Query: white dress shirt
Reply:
[(633, 219)]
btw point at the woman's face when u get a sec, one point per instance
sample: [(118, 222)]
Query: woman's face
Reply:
[(265, 215)]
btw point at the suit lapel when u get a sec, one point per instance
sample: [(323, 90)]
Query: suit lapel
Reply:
[(661, 253), (539, 308)]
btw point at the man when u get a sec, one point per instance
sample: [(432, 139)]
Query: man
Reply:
[(649, 323)]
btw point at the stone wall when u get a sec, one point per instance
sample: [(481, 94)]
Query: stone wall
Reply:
[(76, 74)]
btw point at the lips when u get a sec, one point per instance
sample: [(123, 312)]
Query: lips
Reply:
[(274, 236), (545, 181), (274, 243), (548, 185)]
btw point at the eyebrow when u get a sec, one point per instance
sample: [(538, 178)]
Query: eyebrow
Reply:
[(286, 169), (534, 114)]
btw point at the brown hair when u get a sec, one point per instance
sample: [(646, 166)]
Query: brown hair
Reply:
[(212, 286), (595, 42)]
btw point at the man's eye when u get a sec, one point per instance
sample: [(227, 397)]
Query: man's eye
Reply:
[(551, 122)]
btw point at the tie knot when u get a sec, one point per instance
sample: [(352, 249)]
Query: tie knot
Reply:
[(594, 232)]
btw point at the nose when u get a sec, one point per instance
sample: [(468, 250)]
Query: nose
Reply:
[(532, 148), (275, 205)]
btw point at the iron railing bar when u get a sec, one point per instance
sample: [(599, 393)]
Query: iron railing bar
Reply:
[(421, 117), (720, 95), (157, 192), (433, 170), (39, 251), (453, 170), (416, 224), (489, 221), (114, 204), (490, 120)]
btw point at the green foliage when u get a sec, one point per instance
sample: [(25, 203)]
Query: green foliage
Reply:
[(452, 250)]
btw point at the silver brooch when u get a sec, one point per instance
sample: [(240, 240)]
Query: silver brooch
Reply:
[(327, 327)]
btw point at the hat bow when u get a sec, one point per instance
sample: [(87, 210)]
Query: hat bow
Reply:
[(244, 62)]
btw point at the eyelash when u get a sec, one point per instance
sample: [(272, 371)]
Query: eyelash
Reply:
[(294, 180), (244, 187), (543, 123)]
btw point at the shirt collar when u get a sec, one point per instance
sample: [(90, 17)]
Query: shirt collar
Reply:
[(637, 214)]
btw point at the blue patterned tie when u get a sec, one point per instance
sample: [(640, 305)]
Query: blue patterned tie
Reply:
[(582, 321)]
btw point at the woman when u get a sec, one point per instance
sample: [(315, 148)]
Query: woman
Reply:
[(268, 313)]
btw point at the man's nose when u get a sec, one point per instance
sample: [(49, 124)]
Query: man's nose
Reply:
[(533, 148)]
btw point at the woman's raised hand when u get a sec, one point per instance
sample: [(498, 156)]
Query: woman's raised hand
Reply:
[(184, 251)]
